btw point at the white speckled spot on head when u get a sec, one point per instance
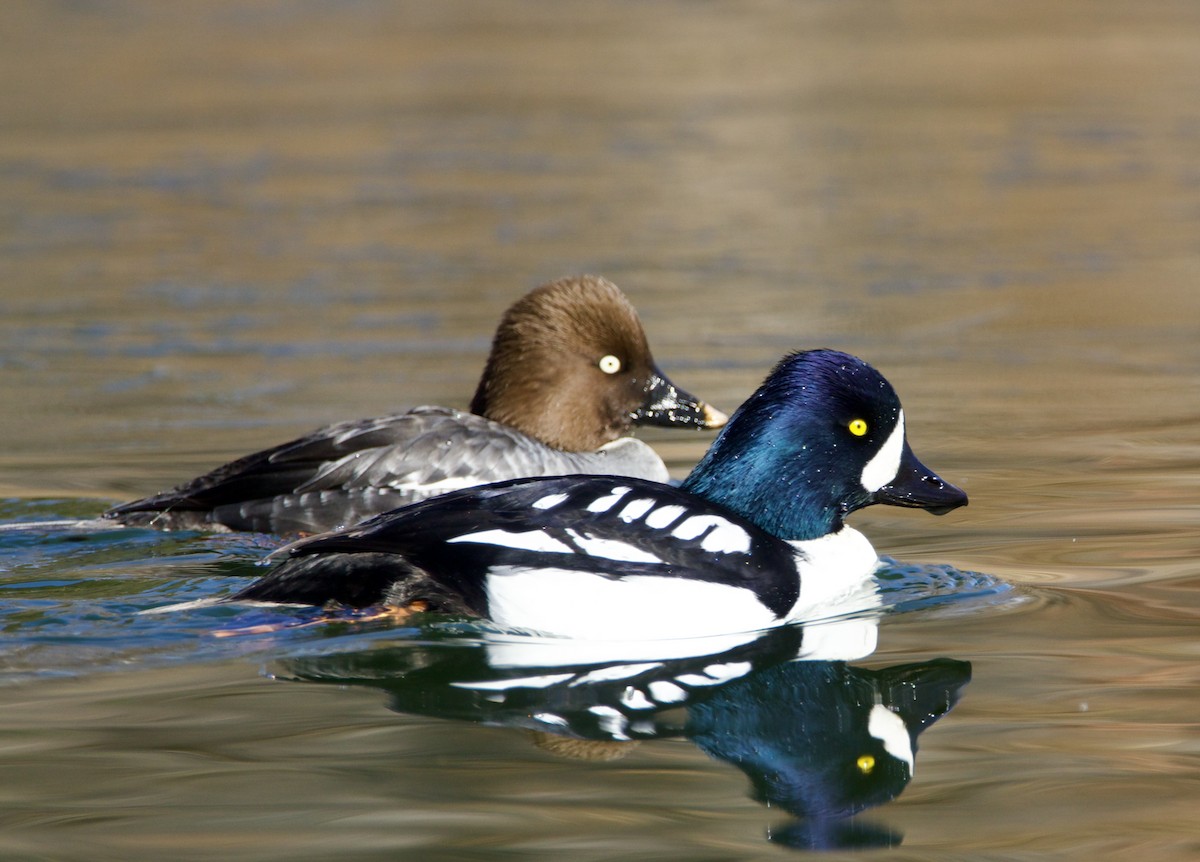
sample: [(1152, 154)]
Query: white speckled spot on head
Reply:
[(886, 464), (891, 730)]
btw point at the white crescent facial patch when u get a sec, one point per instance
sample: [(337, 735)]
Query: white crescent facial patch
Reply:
[(890, 729), (886, 464)]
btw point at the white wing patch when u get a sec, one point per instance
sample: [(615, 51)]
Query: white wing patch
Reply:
[(715, 674), (616, 671), (886, 464), (611, 721), (525, 682), (636, 509), (612, 549), (664, 515), (666, 692), (549, 501), (635, 699), (603, 504), (551, 719), (725, 536), (890, 729), (530, 540)]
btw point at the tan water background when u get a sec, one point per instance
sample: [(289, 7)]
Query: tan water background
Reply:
[(225, 223)]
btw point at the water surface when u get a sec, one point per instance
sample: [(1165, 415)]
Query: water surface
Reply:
[(224, 225)]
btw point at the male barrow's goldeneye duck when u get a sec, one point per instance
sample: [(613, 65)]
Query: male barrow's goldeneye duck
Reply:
[(570, 373), (753, 538)]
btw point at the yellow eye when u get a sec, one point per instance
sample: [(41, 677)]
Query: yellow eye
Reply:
[(858, 427), (865, 764), (610, 364)]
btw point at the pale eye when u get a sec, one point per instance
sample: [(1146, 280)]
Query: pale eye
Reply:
[(610, 364), (865, 764), (858, 427)]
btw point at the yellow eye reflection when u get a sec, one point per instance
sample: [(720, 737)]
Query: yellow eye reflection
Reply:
[(865, 764), (858, 427)]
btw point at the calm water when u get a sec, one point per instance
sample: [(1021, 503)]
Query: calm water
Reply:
[(224, 224)]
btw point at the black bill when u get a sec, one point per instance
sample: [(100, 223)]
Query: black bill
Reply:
[(918, 487), (667, 404)]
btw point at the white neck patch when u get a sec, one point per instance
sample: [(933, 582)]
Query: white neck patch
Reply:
[(886, 464), (890, 729)]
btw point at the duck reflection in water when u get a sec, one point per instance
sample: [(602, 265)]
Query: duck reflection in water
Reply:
[(818, 737)]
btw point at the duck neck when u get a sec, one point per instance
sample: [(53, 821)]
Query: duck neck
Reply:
[(761, 486)]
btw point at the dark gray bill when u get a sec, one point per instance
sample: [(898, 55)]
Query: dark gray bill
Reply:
[(667, 404), (918, 487)]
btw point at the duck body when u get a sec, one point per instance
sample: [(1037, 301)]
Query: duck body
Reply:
[(596, 557), (754, 538), (345, 473), (569, 375)]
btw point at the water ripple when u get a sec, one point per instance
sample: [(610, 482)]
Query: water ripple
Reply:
[(910, 587)]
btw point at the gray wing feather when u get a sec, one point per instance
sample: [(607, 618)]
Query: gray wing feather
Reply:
[(433, 449)]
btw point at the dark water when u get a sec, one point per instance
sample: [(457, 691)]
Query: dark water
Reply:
[(224, 224)]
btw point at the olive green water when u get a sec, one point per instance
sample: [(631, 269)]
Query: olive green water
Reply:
[(223, 224)]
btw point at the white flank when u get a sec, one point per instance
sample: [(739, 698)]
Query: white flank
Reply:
[(663, 515), (530, 540), (890, 729), (636, 509), (886, 464), (603, 504), (578, 604), (549, 501), (612, 549)]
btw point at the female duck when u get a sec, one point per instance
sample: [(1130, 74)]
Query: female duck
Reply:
[(753, 538), (570, 373)]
